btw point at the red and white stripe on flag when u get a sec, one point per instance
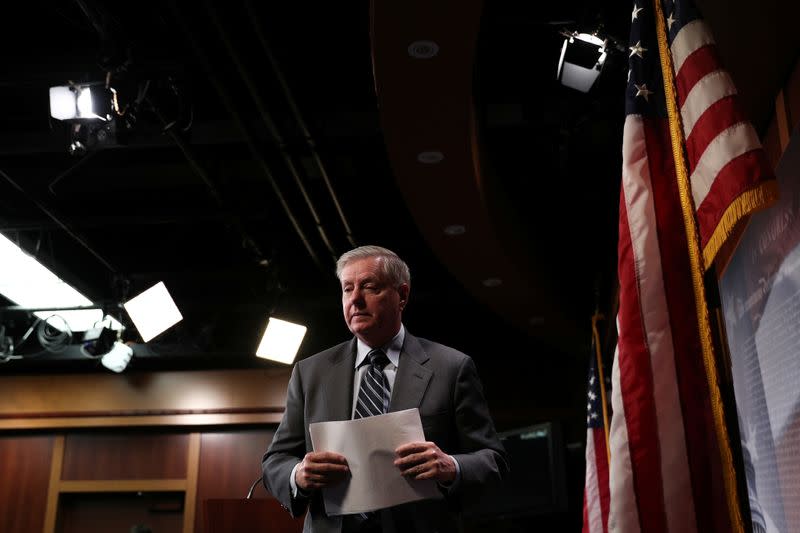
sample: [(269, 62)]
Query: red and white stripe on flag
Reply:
[(665, 472), (729, 172), (595, 496)]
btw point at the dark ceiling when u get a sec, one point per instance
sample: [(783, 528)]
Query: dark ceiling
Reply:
[(238, 194)]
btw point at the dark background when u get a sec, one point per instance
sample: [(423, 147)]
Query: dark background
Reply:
[(188, 196)]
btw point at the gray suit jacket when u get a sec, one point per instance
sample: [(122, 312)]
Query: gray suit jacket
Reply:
[(440, 381)]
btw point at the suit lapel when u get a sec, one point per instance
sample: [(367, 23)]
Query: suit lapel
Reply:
[(339, 383), (412, 376)]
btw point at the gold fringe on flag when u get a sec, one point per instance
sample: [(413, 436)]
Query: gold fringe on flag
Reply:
[(695, 259), (745, 204)]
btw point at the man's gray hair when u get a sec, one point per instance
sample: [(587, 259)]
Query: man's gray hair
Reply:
[(394, 268)]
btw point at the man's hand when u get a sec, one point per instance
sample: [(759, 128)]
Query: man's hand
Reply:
[(318, 470), (424, 460)]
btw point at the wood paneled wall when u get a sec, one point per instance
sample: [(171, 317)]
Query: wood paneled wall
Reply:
[(93, 470), (86, 440), (24, 476), (230, 461), (198, 398), (95, 456)]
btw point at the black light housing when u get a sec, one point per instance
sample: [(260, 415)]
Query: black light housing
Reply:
[(582, 58)]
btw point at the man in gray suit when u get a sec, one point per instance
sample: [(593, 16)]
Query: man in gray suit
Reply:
[(462, 452)]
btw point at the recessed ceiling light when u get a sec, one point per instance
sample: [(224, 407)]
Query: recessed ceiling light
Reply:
[(423, 49), (454, 229), (153, 311), (430, 158), (492, 282), (281, 341)]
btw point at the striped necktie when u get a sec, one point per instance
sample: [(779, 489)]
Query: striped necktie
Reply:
[(375, 392), (373, 399)]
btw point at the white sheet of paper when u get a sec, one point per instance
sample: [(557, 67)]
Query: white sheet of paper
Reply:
[(369, 444)]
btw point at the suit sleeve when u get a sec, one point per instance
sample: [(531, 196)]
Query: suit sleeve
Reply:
[(287, 449), (481, 456)]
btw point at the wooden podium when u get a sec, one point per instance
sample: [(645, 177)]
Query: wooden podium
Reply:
[(248, 516)]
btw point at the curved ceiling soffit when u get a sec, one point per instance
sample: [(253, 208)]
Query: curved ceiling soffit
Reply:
[(423, 61)]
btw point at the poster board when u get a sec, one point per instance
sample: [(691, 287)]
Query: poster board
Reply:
[(761, 304)]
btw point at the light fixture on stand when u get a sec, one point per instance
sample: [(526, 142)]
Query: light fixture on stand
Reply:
[(582, 58), (81, 102), (90, 110), (103, 343)]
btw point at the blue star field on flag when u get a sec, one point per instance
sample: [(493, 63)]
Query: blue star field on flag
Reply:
[(644, 94), (594, 405)]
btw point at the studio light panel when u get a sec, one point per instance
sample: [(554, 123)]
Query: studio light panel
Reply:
[(153, 311), (281, 341)]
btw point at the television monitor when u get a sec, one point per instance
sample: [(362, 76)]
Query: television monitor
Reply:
[(537, 480)]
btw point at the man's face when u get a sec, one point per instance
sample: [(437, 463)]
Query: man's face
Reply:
[(372, 306)]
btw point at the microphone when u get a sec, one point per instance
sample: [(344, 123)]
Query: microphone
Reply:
[(252, 488)]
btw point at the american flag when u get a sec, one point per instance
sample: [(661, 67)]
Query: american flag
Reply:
[(595, 494), (666, 471)]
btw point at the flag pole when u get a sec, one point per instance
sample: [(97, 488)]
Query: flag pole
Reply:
[(697, 270), (599, 354)]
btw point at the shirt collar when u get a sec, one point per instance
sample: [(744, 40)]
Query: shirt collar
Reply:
[(391, 349)]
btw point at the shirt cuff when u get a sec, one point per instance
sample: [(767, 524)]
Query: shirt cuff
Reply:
[(297, 491), (453, 484)]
